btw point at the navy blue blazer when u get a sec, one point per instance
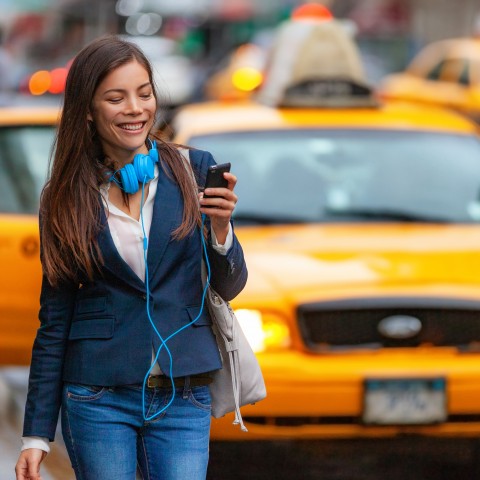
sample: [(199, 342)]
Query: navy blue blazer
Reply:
[(98, 332)]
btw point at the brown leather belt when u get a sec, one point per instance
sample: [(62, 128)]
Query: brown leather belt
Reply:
[(162, 381)]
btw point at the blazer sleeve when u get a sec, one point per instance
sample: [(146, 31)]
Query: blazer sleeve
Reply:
[(45, 380), (228, 272)]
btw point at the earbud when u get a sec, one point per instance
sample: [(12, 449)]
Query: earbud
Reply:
[(141, 170)]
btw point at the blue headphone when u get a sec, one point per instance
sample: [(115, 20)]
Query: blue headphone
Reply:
[(141, 170)]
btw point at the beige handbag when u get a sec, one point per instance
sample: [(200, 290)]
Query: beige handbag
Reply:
[(240, 381)]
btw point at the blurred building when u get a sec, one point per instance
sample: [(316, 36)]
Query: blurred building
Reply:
[(47, 33)]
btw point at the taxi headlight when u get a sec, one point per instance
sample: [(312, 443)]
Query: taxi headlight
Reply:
[(264, 331)]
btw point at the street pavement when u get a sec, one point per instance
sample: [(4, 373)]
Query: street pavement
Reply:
[(13, 389)]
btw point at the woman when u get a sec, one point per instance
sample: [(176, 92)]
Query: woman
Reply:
[(118, 332)]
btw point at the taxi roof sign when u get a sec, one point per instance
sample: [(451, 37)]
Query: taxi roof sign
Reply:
[(314, 63), (313, 11)]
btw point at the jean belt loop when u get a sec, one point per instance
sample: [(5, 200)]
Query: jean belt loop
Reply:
[(186, 387)]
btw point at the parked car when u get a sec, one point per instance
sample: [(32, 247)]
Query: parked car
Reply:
[(444, 73), (360, 225), (26, 136)]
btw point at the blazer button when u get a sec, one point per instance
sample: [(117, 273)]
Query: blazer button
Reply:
[(144, 297)]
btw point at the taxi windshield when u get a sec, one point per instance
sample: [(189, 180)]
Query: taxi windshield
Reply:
[(315, 175), (24, 155)]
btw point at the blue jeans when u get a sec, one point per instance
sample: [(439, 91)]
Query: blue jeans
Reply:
[(107, 437)]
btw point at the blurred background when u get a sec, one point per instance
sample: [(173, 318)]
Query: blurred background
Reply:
[(191, 43), (196, 36)]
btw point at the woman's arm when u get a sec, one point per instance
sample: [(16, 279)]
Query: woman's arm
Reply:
[(45, 381), (228, 268), (228, 271)]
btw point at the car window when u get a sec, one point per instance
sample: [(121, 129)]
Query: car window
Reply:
[(451, 70), (475, 71), (24, 154), (464, 78), (333, 175)]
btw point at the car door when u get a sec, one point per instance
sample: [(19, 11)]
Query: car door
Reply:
[(24, 152)]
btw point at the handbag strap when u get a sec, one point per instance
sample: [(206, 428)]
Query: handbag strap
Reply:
[(185, 154)]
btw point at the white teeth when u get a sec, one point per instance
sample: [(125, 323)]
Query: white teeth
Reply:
[(132, 127)]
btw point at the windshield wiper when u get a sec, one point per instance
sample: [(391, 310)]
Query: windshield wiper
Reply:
[(267, 219), (382, 214)]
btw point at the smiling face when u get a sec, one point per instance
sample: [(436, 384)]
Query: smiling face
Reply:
[(123, 111)]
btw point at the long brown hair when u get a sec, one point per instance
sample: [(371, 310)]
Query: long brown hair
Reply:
[(70, 207)]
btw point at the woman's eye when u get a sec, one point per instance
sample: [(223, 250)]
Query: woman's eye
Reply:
[(114, 100), (146, 95)]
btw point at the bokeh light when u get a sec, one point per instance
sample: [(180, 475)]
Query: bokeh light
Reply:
[(58, 77), (247, 79), (128, 7), (39, 82), (143, 24)]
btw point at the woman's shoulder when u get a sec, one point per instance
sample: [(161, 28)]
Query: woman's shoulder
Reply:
[(200, 157)]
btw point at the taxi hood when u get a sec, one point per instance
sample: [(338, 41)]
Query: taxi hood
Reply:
[(308, 261)]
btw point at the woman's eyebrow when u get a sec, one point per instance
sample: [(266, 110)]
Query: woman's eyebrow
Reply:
[(115, 90)]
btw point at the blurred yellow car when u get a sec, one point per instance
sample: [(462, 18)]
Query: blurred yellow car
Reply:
[(26, 136), (362, 238), (360, 223), (444, 73)]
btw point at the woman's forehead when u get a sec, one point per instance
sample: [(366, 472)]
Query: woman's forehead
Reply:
[(127, 76)]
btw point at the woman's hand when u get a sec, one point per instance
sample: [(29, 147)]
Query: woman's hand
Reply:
[(220, 209), (28, 464)]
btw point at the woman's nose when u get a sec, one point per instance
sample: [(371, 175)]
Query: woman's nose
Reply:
[(133, 106)]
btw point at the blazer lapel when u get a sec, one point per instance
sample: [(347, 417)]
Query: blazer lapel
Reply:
[(167, 215), (112, 259)]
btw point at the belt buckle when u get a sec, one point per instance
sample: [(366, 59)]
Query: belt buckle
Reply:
[(149, 385)]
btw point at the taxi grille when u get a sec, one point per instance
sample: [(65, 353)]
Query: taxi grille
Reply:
[(357, 323)]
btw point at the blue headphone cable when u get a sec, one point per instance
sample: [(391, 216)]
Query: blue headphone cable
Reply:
[(163, 342)]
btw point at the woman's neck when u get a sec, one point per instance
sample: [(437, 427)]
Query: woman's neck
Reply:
[(120, 158)]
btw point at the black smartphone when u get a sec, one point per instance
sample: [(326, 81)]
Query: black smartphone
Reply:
[(215, 177)]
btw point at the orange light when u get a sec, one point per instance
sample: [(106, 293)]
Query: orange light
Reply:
[(247, 79), (58, 77), (312, 11), (39, 82)]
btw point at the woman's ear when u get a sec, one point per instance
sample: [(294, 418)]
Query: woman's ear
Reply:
[(89, 117)]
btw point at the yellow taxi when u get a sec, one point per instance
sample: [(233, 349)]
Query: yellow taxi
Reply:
[(445, 73), (26, 136), (360, 225)]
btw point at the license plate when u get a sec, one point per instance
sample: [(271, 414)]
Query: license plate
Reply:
[(404, 401)]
